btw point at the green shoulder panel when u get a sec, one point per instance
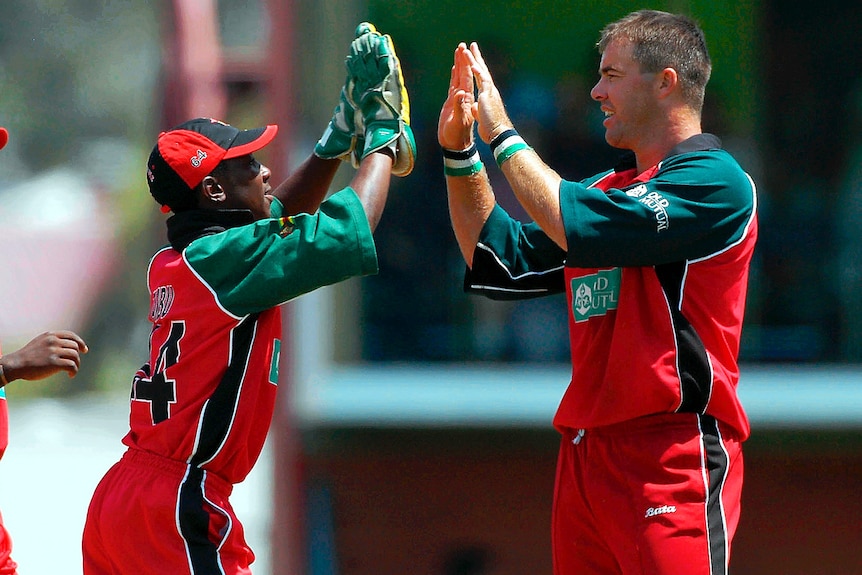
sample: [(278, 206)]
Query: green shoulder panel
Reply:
[(269, 262), (698, 203)]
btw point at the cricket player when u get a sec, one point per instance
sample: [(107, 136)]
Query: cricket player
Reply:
[(238, 248), (44, 355), (654, 258)]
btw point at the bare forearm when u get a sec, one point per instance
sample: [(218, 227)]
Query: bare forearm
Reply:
[(471, 201), (371, 184), (307, 186), (537, 188)]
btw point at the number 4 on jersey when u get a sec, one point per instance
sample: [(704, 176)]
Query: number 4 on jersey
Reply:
[(156, 387)]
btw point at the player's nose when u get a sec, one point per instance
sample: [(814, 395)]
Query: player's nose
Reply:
[(597, 93)]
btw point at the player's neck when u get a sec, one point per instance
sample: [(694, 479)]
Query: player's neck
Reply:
[(661, 142)]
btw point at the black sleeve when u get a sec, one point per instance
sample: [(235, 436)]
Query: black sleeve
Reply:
[(514, 261)]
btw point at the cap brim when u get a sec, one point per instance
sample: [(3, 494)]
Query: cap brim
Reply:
[(4, 137), (250, 141)]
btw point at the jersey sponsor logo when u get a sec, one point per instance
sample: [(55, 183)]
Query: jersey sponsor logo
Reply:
[(662, 510), (638, 191), (273, 365), (162, 300), (198, 158), (658, 204), (595, 294)]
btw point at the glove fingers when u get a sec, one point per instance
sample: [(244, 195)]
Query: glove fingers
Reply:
[(398, 76), (365, 28), (367, 63), (379, 96)]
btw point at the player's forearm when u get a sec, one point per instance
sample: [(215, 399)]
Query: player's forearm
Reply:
[(371, 184), (537, 188), (471, 201), (307, 186)]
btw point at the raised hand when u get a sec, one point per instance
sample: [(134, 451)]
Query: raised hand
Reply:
[(379, 95), (339, 138), (457, 117), (489, 111)]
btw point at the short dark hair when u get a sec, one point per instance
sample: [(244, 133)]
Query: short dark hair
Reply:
[(663, 40)]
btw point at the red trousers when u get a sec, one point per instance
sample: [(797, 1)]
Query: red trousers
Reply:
[(655, 496), (151, 515), (7, 566)]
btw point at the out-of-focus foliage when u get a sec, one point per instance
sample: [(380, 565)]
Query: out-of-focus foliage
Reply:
[(78, 89)]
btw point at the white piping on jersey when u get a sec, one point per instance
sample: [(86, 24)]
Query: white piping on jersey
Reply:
[(509, 272), (748, 225), (508, 290), (676, 345), (210, 288), (603, 178), (741, 239), (150, 267), (669, 311), (704, 473), (201, 417)]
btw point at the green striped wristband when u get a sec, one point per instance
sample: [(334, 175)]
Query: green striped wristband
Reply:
[(506, 145), (462, 163)]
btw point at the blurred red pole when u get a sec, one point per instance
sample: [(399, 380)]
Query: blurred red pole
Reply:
[(193, 64), (288, 514)]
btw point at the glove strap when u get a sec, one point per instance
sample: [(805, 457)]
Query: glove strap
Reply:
[(462, 163), (506, 145)]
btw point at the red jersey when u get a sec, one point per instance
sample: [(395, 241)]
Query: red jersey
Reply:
[(207, 393), (656, 277)]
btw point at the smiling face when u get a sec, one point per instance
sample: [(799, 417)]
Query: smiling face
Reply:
[(244, 184), (627, 96)]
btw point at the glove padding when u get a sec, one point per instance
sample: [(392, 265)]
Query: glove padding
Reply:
[(339, 138), (378, 93)]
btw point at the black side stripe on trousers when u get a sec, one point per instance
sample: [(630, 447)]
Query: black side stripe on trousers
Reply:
[(695, 372), (717, 465), (216, 420), (194, 525)]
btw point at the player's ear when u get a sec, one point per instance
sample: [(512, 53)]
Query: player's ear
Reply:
[(668, 82), (212, 190)]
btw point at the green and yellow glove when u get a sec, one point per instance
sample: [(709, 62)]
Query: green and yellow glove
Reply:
[(339, 138), (377, 92)]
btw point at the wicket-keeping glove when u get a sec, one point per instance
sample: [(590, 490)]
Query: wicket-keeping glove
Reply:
[(339, 138), (380, 98)]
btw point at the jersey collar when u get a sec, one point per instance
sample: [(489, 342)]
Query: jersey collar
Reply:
[(187, 226), (696, 143)]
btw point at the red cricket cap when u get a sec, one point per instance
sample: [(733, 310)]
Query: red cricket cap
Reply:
[(183, 156)]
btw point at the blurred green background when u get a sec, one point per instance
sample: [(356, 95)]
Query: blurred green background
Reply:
[(86, 85), (83, 96)]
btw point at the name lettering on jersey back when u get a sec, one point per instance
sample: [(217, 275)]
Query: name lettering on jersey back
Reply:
[(595, 294), (162, 300), (654, 201)]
